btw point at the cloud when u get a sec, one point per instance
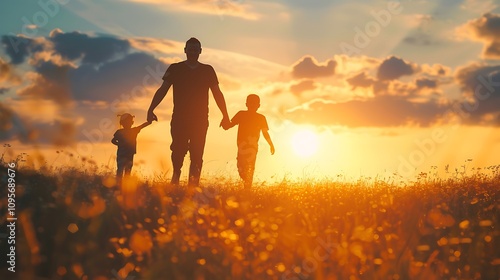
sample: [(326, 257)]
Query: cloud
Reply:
[(392, 102), (77, 66), (12, 127), (94, 50), (382, 111), (479, 6), (301, 86), (393, 87), (157, 46), (383, 76), (426, 83), (18, 48), (360, 80), (423, 19), (479, 77), (436, 70), (480, 86), (7, 75), (420, 39), (36, 110), (393, 68), (487, 30), (377, 96), (425, 31), (67, 69), (349, 65), (308, 67), (51, 82), (6, 116), (71, 47), (130, 76), (46, 106), (59, 133), (234, 8)]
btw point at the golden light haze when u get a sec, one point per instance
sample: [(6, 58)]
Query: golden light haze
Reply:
[(382, 88)]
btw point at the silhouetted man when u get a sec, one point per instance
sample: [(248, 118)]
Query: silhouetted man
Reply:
[(191, 81)]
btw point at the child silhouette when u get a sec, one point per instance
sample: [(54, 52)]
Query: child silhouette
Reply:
[(250, 124), (126, 140)]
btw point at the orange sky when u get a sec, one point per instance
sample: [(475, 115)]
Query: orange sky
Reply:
[(382, 87)]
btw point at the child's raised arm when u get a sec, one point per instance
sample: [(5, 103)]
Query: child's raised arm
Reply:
[(144, 125), (265, 133)]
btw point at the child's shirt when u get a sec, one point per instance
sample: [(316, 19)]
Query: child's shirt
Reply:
[(127, 141), (250, 126)]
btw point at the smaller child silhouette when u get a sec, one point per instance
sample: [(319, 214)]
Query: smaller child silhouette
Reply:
[(126, 140), (250, 124)]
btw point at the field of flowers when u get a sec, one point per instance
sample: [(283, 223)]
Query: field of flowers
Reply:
[(73, 224)]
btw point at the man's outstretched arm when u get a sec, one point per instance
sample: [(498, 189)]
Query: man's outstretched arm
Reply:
[(158, 97), (221, 103)]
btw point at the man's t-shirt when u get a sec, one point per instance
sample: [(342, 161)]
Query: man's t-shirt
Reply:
[(127, 141), (190, 86), (250, 126)]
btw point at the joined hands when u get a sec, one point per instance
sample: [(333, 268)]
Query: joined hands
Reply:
[(151, 117), (225, 124)]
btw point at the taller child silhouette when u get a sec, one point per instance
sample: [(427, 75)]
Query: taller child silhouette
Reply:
[(191, 81), (250, 124)]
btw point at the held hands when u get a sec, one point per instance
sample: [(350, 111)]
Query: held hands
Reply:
[(151, 117), (225, 124)]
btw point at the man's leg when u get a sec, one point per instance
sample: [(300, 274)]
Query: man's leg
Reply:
[(179, 148), (196, 148)]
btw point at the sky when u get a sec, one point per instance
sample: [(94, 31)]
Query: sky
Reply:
[(350, 89)]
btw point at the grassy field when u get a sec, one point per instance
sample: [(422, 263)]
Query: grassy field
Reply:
[(73, 225)]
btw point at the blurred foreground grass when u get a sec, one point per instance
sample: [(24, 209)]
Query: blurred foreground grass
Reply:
[(73, 225)]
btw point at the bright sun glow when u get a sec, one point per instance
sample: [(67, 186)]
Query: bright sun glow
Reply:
[(304, 143)]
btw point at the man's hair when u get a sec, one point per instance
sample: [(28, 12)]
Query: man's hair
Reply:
[(193, 40)]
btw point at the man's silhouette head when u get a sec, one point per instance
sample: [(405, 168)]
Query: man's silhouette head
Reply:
[(253, 102), (192, 49)]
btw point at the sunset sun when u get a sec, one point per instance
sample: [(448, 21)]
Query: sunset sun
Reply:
[(304, 143)]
